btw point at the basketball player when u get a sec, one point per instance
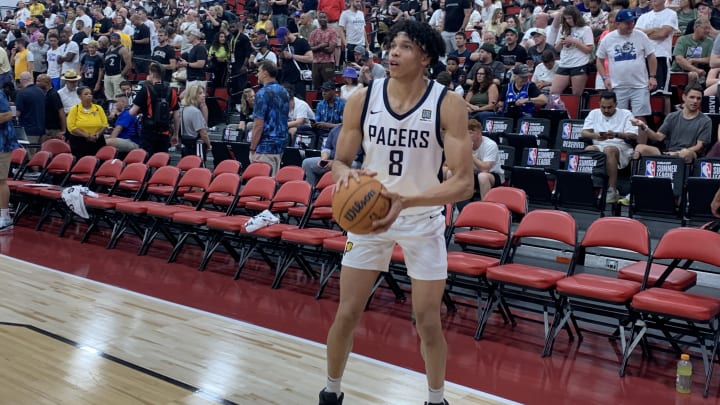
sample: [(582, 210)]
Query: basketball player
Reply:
[(404, 123)]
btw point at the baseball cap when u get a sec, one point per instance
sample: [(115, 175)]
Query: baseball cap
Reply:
[(489, 48), (361, 50), (280, 33), (510, 29), (625, 15), (522, 70), (328, 86), (261, 31), (193, 31), (86, 41), (350, 72), (297, 13), (115, 34), (539, 31), (703, 3)]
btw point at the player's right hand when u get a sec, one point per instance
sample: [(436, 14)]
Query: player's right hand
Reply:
[(343, 176)]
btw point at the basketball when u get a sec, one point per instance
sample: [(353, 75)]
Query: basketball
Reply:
[(356, 206)]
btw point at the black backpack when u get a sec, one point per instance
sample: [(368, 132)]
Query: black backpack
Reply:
[(161, 100)]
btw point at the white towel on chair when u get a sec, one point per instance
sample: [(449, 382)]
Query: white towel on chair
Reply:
[(261, 220), (73, 197)]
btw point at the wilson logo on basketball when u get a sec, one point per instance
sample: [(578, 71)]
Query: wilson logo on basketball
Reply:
[(359, 205)]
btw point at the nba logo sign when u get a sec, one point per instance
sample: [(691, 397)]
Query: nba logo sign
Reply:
[(650, 168), (573, 163), (706, 170), (525, 128), (489, 124), (532, 156), (567, 131)]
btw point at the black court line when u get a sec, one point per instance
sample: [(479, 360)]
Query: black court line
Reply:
[(125, 363)]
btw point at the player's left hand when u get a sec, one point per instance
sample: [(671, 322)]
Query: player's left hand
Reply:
[(396, 205)]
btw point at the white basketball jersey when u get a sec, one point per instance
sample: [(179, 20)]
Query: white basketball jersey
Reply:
[(405, 150)]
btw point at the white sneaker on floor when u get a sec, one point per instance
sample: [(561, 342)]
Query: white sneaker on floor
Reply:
[(6, 225), (612, 196)]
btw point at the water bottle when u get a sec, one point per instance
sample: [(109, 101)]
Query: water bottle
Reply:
[(683, 381)]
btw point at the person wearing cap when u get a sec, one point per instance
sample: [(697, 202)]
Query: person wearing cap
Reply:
[(512, 54), (370, 70), (575, 43), (68, 93), (485, 56), (692, 52), (659, 25), (92, 69), (328, 113), (322, 43), (117, 63), (272, 107), (703, 9), (141, 50), (540, 21), (352, 29), (264, 53), (296, 55), (521, 97), (359, 54), (630, 54), (540, 45), (21, 58), (264, 23), (194, 61), (350, 77)]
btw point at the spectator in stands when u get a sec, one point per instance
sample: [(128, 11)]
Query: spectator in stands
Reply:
[(296, 55), (156, 134), (322, 43), (350, 77), (118, 63), (53, 67), (496, 25), (195, 59), (610, 129), (485, 56), (453, 67), (541, 22), (526, 16), (539, 46), (329, 111), (659, 25), (352, 29), (21, 59), (703, 9), (715, 15), (241, 50), (490, 38), (272, 106), (92, 70), (684, 133), (55, 120), (630, 54), (193, 125), (141, 45), (307, 25), (264, 22), (315, 167), (686, 12), (299, 116), (692, 52), (247, 105), (482, 98), (457, 14), (521, 97), (445, 79), (39, 49), (30, 107), (68, 94), (545, 71), (643, 6), (370, 70), (555, 5), (462, 53), (218, 57), (512, 54), (575, 43), (164, 54), (125, 135), (485, 159), (86, 123), (596, 17)]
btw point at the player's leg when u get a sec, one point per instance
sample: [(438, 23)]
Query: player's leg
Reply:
[(427, 300)]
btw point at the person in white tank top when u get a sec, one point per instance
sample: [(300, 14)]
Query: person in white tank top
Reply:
[(404, 123)]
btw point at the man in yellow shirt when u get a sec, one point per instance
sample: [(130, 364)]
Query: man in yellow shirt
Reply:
[(21, 58), (36, 8)]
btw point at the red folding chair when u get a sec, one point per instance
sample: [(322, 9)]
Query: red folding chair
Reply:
[(136, 156)]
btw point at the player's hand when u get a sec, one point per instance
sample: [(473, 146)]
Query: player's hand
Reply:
[(343, 179), (396, 205)]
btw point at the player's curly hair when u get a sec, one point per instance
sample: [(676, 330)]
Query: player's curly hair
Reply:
[(422, 34)]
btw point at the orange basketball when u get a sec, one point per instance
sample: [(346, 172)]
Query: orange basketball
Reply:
[(356, 206)]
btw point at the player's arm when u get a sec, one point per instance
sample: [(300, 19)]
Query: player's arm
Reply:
[(349, 140)]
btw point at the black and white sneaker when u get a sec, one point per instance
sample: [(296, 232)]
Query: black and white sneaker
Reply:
[(331, 398), (444, 402), (6, 225)]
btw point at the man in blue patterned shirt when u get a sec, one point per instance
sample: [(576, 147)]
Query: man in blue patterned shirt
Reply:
[(8, 143), (270, 128), (328, 114)]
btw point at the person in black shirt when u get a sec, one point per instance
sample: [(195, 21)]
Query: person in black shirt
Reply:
[(80, 35), (240, 50), (512, 54), (92, 69), (194, 60), (296, 55), (54, 112), (164, 54), (155, 138), (140, 45), (457, 14), (101, 25)]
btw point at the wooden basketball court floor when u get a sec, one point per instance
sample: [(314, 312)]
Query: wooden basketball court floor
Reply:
[(66, 339)]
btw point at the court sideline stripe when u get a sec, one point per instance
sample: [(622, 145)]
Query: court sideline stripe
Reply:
[(371, 360)]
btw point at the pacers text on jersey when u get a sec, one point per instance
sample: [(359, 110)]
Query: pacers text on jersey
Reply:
[(403, 137)]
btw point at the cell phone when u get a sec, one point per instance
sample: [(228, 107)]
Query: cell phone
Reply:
[(323, 163)]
